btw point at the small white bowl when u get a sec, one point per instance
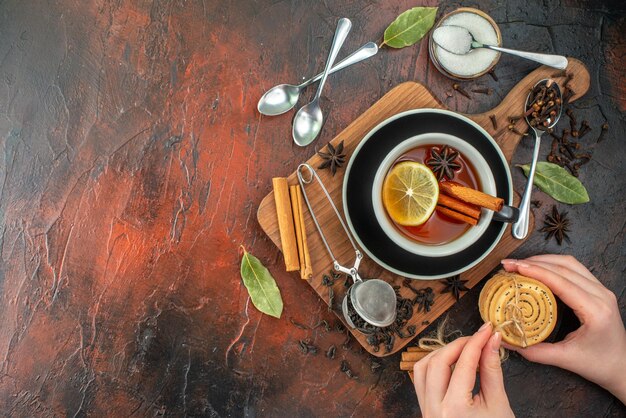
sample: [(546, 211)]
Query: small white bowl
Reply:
[(486, 183)]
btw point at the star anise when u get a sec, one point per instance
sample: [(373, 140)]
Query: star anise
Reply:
[(455, 286), (443, 162), (556, 225), (333, 159)]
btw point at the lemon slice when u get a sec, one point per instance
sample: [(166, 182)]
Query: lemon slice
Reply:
[(410, 193)]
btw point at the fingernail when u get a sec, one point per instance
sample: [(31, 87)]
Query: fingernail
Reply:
[(508, 261), (497, 338), (484, 326), (522, 264)]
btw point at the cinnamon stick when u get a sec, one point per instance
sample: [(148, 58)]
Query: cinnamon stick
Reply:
[(414, 348), (407, 366), (293, 194), (456, 215), (414, 356), (285, 223), (306, 271), (458, 206), (472, 196), (411, 356)]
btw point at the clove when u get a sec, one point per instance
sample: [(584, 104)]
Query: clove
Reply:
[(515, 131), (494, 122), (568, 94), (460, 89), (584, 129), (569, 78), (486, 91), (555, 144), (572, 119)]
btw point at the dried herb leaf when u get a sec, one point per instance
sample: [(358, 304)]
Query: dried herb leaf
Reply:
[(261, 285), (556, 182), (410, 27)]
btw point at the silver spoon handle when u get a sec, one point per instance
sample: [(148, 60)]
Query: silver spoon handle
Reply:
[(520, 228), (556, 61), (343, 28), (368, 50)]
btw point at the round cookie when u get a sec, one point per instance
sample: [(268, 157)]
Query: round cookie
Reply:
[(523, 309)]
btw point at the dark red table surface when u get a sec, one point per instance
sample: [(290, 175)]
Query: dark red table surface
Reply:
[(132, 161)]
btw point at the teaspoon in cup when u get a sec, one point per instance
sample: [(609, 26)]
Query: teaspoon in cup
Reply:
[(283, 97), (467, 42), (519, 229), (309, 120)]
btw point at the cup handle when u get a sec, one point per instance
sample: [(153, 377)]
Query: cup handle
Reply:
[(508, 214)]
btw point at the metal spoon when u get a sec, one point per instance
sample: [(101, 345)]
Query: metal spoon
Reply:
[(283, 97), (309, 120), (520, 228), (467, 42), (374, 300)]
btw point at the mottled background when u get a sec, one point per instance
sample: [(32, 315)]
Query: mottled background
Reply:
[(132, 161)]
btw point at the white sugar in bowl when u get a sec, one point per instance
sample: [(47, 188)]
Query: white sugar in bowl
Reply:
[(478, 61)]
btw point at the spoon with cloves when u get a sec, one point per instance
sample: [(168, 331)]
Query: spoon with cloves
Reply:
[(542, 111)]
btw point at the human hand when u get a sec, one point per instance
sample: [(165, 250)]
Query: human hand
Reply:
[(443, 393), (597, 349)]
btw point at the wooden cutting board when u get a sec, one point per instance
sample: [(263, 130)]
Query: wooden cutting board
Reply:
[(406, 96)]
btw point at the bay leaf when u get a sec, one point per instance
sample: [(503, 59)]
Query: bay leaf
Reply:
[(556, 182), (409, 27), (261, 285)]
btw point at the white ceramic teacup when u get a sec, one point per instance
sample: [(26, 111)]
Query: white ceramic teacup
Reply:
[(486, 184)]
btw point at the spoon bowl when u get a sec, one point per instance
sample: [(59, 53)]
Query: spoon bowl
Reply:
[(307, 123), (279, 99)]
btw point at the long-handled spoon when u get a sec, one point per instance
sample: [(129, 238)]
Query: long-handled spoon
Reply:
[(460, 41), (283, 97), (309, 120), (520, 228)]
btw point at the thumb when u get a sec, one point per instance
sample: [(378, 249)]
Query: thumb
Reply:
[(491, 380), (544, 353)]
